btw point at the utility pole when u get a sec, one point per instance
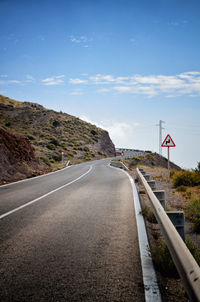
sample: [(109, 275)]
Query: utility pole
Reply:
[(160, 135)]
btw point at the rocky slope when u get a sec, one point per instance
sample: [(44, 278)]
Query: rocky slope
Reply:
[(50, 134), (17, 157), (153, 160)]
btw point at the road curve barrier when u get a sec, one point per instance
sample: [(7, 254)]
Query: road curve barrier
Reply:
[(118, 164), (186, 265), (68, 163)]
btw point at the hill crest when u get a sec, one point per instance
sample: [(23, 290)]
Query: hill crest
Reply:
[(52, 133)]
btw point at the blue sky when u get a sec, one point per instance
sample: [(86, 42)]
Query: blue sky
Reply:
[(123, 65)]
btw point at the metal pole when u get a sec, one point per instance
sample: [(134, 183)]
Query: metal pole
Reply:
[(168, 164), (160, 135)]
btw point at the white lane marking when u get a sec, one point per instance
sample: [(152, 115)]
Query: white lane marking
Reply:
[(151, 289), (43, 196)]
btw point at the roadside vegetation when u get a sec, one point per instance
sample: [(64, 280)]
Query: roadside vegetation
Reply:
[(187, 185), (150, 159), (162, 258)]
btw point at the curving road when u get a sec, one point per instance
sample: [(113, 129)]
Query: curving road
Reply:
[(70, 236)]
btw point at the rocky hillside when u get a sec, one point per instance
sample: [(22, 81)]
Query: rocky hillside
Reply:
[(50, 133), (153, 160)]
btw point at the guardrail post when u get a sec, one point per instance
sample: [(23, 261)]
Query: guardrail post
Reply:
[(178, 220), (147, 177), (160, 194), (152, 184)]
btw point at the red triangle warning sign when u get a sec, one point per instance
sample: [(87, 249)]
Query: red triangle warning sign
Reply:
[(168, 142)]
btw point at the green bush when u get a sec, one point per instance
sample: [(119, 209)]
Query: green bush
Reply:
[(181, 188), (57, 157), (54, 142), (186, 178), (162, 259), (192, 212), (56, 123), (86, 149), (194, 249), (93, 132), (71, 154), (198, 167), (148, 213), (45, 160), (51, 146), (31, 138)]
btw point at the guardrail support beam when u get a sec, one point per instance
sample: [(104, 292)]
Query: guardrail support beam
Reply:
[(178, 220), (160, 194), (152, 184), (147, 177)]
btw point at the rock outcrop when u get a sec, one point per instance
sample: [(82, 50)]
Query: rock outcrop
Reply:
[(16, 154)]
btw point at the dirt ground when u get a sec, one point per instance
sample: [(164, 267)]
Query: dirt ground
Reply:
[(171, 288)]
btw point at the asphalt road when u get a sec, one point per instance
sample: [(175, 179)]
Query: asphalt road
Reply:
[(76, 243)]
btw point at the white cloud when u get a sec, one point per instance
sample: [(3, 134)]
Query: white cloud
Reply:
[(3, 76), (15, 81), (29, 78), (60, 76), (103, 90), (123, 89), (120, 132), (150, 85), (77, 92), (57, 80), (80, 40), (78, 81)]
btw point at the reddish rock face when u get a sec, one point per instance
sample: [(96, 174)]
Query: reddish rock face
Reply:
[(16, 154), (15, 147), (105, 145)]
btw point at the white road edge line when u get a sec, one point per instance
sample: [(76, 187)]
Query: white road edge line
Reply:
[(43, 196), (34, 177), (151, 289)]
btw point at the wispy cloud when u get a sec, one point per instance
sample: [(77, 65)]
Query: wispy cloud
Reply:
[(77, 92), (29, 78), (3, 76), (178, 23), (82, 41), (15, 82), (78, 81), (58, 80), (150, 85)]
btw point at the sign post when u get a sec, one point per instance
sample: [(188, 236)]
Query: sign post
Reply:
[(168, 142), (62, 155)]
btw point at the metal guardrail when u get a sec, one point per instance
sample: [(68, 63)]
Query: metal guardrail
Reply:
[(186, 265), (118, 164)]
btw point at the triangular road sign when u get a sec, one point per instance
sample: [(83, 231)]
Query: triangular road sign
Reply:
[(168, 142)]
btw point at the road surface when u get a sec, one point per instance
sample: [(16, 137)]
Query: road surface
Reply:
[(75, 240)]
